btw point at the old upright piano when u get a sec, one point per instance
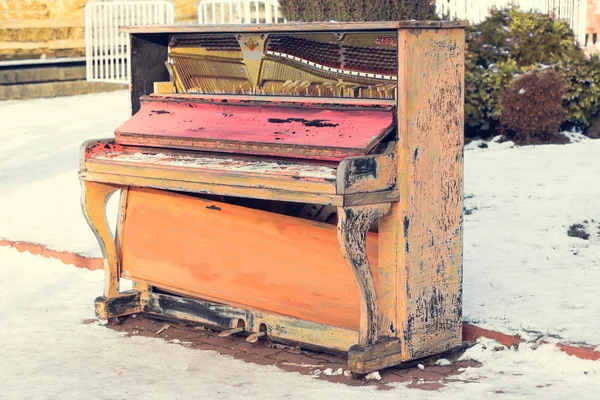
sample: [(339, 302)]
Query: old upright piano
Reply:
[(297, 181)]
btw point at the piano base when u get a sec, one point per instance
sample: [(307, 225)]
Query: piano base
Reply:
[(230, 267), (352, 232), (387, 352), (222, 317), (392, 158)]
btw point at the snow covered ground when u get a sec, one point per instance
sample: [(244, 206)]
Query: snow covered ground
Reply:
[(46, 351), (39, 153), (522, 273)]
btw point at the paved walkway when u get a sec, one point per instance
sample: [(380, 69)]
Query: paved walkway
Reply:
[(424, 374)]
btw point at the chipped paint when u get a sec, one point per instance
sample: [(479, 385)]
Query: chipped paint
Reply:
[(222, 164), (353, 227), (368, 173), (430, 171), (278, 326), (400, 303), (315, 133)]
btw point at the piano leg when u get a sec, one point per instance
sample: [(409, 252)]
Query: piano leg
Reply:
[(372, 352), (94, 197), (353, 226)]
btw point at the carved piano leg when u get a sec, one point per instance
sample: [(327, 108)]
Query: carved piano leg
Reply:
[(353, 226), (371, 353), (94, 197)]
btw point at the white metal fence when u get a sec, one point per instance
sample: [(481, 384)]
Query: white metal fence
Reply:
[(239, 12), (572, 11), (106, 48)]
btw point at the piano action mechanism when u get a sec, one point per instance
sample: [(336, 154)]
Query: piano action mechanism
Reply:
[(299, 181)]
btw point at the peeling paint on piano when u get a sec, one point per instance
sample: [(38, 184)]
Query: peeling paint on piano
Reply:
[(376, 135)]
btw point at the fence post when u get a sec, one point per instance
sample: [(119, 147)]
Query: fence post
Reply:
[(574, 12), (106, 48)]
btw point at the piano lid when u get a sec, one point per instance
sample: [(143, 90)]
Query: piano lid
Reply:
[(291, 130)]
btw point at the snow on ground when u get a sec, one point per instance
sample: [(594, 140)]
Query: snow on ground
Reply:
[(39, 160), (522, 273), (46, 351)]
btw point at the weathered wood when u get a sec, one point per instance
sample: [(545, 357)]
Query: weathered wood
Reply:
[(391, 272), (268, 261), (281, 276), (178, 308), (125, 303), (239, 175), (278, 327), (353, 226), (335, 103), (148, 56), (294, 132), (235, 170), (163, 88), (143, 289), (297, 26), (121, 222), (94, 197), (211, 188), (359, 199), (227, 175), (430, 172), (365, 359), (368, 173), (224, 175)]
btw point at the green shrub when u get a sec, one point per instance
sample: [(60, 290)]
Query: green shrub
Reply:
[(532, 110), (358, 10), (527, 38), (482, 94), (582, 100), (510, 43)]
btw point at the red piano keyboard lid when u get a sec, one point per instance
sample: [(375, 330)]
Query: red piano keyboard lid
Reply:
[(251, 128)]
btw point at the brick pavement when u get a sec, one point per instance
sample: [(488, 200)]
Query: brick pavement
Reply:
[(332, 368)]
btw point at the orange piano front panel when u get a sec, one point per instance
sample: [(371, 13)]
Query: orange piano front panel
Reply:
[(240, 257)]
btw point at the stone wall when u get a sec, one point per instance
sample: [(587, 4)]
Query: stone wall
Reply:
[(17, 10), (185, 10)]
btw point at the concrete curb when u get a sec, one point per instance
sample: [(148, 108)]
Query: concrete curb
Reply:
[(470, 332)]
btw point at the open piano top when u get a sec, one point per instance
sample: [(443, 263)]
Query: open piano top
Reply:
[(321, 96)]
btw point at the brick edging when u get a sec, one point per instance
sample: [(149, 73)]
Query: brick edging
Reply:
[(66, 257), (470, 333)]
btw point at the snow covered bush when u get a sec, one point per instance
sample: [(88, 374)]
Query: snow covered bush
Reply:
[(532, 110), (358, 10), (510, 43)]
